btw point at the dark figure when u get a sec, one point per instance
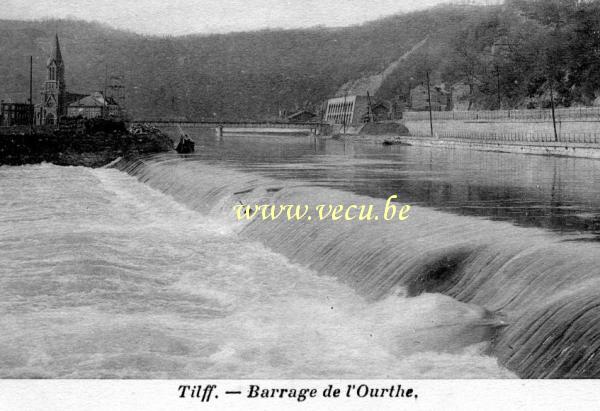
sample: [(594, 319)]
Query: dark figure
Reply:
[(186, 145)]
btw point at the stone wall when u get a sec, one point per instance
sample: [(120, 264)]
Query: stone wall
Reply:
[(579, 150)]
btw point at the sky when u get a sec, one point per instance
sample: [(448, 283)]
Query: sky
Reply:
[(177, 17)]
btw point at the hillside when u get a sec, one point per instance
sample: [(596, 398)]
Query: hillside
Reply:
[(254, 74), (241, 75)]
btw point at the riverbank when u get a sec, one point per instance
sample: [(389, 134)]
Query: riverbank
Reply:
[(535, 131), (94, 147), (579, 150)]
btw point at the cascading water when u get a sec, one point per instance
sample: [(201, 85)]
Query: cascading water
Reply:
[(105, 277), (535, 294)]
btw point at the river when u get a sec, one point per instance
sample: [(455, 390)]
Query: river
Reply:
[(142, 271)]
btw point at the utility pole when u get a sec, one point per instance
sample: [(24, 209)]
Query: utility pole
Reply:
[(553, 115), (344, 112), (429, 100), (410, 81), (498, 87), (31, 111), (104, 105), (371, 119)]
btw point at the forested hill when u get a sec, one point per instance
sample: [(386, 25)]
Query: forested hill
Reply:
[(252, 75)]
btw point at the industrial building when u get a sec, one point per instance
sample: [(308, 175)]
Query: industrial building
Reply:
[(349, 110)]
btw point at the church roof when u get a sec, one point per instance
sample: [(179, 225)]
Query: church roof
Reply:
[(56, 54)]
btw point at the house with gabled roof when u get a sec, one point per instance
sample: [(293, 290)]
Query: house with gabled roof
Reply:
[(93, 106)]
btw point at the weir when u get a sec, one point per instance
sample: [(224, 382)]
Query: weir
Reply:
[(546, 290)]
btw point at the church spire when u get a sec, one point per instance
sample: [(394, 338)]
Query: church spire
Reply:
[(54, 95), (56, 54)]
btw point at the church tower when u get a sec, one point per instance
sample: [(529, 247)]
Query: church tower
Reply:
[(54, 92)]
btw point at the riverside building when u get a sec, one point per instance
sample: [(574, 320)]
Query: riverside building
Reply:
[(57, 102), (349, 110)]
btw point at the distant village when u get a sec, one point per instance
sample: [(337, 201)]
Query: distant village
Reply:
[(353, 104), (56, 103), (357, 108)]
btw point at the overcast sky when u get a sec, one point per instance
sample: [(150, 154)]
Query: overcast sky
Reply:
[(210, 16)]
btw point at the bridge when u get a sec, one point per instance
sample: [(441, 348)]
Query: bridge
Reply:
[(243, 127)]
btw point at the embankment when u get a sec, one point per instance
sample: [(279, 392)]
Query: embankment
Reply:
[(568, 130), (576, 138), (93, 148), (581, 150), (374, 132)]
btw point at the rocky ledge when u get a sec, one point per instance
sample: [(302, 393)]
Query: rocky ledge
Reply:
[(90, 144)]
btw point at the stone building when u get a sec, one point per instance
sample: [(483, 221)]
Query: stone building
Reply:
[(93, 106), (301, 116), (381, 111), (15, 114)]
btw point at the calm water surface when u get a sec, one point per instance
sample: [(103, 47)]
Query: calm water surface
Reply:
[(558, 193)]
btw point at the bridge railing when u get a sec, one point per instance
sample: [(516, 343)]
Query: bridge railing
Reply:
[(237, 124)]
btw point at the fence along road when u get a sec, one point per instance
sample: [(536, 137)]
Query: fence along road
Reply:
[(574, 125), (509, 115)]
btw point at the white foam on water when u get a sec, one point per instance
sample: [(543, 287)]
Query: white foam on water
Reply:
[(533, 293), (103, 276)]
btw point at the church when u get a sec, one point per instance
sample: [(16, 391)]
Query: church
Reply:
[(54, 91), (57, 101)]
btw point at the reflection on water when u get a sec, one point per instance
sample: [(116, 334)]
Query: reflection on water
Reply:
[(558, 193)]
